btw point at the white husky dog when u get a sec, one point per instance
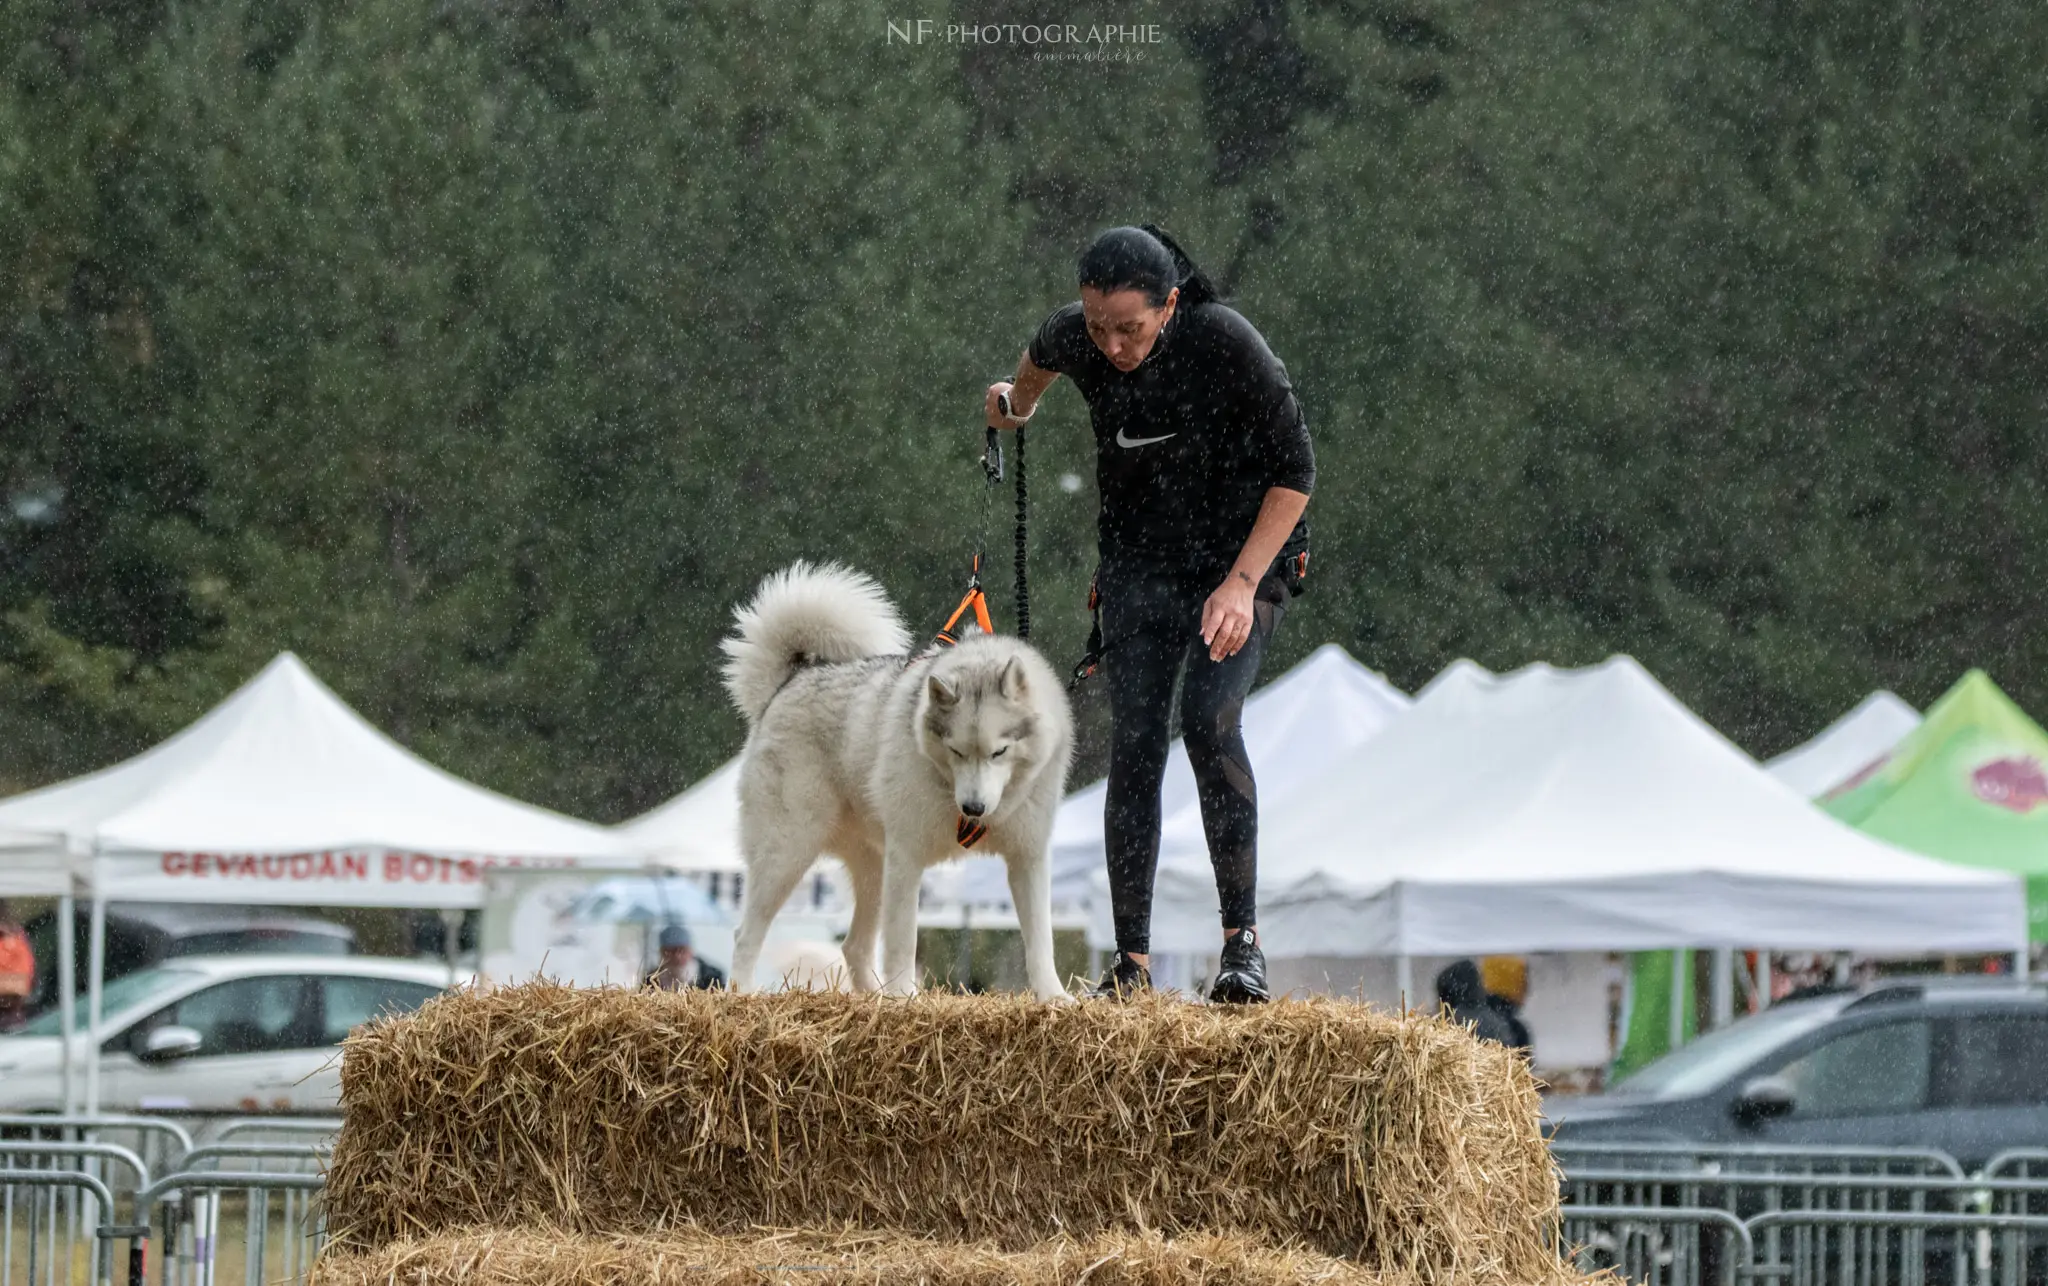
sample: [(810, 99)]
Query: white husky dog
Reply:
[(890, 763)]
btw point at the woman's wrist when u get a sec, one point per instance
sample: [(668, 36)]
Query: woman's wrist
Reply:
[(1007, 406)]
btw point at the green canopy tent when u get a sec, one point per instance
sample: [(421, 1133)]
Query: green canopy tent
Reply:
[(1657, 981), (1969, 785)]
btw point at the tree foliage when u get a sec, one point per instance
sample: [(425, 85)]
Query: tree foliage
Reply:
[(486, 352)]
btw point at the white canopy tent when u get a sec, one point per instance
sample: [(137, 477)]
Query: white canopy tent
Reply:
[(282, 794), (698, 833), (698, 830), (1847, 746), (33, 864), (1561, 810)]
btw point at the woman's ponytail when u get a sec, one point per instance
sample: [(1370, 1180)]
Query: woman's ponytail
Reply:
[(1144, 258), (1195, 286)]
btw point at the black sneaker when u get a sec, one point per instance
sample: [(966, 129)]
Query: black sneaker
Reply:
[(1241, 977), (1125, 977)]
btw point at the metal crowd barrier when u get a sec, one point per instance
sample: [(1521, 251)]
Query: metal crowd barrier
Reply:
[(1659, 1245), (57, 1204), (289, 1127), (1671, 1245), (157, 1141), (1668, 1215), (1755, 1158), (241, 1206), (268, 1158), (245, 1205), (56, 1228), (282, 1229), (2028, 1164)]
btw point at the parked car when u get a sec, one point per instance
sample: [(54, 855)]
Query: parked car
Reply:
[(1950, 1063), (215, 1034), (140, 934)]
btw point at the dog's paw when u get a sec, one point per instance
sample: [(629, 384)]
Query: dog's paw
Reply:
[(1060, 997)]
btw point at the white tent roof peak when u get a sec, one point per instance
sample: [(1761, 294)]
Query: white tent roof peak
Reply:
[(284, 765), (698, 830), (1460, 674), (1846, 746), (1614, 693)]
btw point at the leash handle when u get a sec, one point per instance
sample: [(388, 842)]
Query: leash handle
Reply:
[(1023, 547), (992, 457), (1023, 511), (976, 599)]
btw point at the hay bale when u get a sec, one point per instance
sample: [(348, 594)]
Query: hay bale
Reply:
[(690, 1257), (1398, 1142)]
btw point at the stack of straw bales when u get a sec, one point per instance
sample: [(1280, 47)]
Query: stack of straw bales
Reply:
[(496, 1257), (540, 1133)]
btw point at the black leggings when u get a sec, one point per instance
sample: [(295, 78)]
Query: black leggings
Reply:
[(1151, 628)]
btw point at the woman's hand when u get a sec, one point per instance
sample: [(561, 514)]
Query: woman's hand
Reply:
[(1227, 616), (996, 418), (1024, 392)]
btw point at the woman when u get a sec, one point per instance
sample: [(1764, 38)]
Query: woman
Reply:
[(1204, 467)]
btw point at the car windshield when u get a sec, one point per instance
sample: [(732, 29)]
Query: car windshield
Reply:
[(122, 993), (1714, 1058)]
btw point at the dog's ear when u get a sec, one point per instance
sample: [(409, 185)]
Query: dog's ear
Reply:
[(942, 692), (1011, 682)]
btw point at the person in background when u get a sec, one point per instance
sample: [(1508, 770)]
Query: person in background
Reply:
[(1459, 991), (680, 968), (1506, 979), (17, 969)]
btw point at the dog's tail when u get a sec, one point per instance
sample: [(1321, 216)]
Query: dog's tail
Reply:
[(802, 615)]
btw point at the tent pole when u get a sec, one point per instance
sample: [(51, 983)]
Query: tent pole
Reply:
[(1724, 986), (451, 938), (67, 995), (963, 955), (1404, 964), (96, 974), (1678, 964)]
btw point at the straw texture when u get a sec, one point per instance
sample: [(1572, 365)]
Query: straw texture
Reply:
[(491, 1257), (1398, 1142)]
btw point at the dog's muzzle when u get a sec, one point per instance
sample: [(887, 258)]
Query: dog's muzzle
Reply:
[(971, 832)]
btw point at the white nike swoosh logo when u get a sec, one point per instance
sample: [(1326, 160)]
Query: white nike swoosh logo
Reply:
[(1123, 441)]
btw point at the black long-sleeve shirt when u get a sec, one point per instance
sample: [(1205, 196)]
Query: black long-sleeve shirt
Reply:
[(1188, 442)]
